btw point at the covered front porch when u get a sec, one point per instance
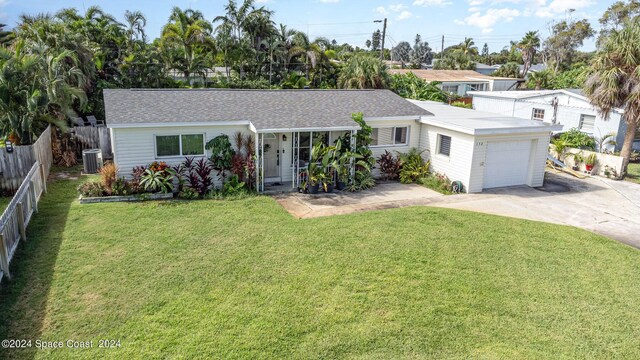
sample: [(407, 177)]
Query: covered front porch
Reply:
[(283, 155)]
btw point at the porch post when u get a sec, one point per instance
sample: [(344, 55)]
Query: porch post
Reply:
[(296, 157), (353, 150), (257, 147), (262, 162)]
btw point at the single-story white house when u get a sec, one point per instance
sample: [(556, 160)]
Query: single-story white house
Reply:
[(480, 150), (569, 108), (460, 82)]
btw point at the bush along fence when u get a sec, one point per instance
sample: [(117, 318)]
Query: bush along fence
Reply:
[(16, 217), (15, 165)]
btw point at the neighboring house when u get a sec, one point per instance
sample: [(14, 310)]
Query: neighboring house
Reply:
[(568, 108), (485, 69), (459, 82), (533, 69), (169, 124)]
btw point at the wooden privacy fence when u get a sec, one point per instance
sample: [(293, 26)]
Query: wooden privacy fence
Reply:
[(90, 137), (14, 166), (16, 217)]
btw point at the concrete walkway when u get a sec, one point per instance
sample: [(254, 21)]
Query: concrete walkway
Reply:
[(607, 207), (384, 196)]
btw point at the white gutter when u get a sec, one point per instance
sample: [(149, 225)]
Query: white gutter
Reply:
[(180, 124)]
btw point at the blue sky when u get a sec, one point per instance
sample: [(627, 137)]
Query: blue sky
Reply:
[(492, 21)]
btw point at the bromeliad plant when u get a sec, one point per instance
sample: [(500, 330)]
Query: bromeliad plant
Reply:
[(157, 181)]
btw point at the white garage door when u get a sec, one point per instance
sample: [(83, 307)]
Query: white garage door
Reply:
[(507, 163)]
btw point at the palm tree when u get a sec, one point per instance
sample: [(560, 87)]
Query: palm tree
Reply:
[(312, 52), (189, 32), (614, 81), (136, 22), (5, 36), (538, 79), (528, 46), (364, 72), (467, 47)]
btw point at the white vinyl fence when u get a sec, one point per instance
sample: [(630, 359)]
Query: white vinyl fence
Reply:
[(16, 217)]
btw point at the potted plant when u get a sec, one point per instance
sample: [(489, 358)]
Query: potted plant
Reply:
[(577, 160), (590, 161), (314, 176)]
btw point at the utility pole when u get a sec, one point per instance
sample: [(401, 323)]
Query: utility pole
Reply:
[(442, 51), (384, 34)]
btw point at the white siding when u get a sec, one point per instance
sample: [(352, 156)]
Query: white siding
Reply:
[(457, 165), (414, 138), (136, 146), (569, 110)]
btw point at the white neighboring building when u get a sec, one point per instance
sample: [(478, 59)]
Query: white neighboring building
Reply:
[(568, 108)]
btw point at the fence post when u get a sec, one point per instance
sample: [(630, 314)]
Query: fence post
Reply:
[(44, 179), (21, 225), (34, 196), (4, 257)]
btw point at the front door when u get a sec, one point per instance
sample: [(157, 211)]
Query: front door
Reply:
[(271, 158)]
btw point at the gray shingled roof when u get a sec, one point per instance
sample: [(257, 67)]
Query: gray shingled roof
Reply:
[(266, 109)]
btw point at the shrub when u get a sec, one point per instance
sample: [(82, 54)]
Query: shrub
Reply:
[(389, 165), (412, 166), (577, 139), (233, 186), (91, 189), (108, 174), (158, 166), (121, 187), (188, 194), (462, 104), (136, 176), (437, 182), (221, 154)]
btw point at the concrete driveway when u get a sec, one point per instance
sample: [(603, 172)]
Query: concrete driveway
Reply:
[(607, 207)]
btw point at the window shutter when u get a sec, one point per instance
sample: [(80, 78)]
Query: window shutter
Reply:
[(444, 146)]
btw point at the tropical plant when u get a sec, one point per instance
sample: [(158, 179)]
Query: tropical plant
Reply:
[(559, 148), (157, 181), (614, 81), (412, 166), (233, 186), (462, 104), (438, 182), (363, 72), (510, 70), (188, 194), (410, 86), (221, 154), (578, 139), (591, 159), (455, 60), (91, 189), (539, 80), (603, 141), (389, 165), (121, 187), (108, 175)]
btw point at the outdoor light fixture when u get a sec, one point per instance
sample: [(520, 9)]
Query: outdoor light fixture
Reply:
[(284, 137), (8, 146)]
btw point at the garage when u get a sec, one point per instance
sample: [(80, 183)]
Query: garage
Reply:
[(507, 163), (484, 150)]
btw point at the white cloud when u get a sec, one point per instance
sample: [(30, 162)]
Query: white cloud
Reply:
[(381, 10), (432, 3), (556, 7), (474, 9), (476, 2), (398, 7), (486, 21), (404, 15)]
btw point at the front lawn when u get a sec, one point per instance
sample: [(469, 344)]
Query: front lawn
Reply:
[(244, 279), (633, 173)]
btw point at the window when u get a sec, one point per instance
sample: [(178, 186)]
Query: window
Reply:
[(179, 145), (476, 87), (537, 114), (390, 136), (587, 122), (450, 88), (444, 145)]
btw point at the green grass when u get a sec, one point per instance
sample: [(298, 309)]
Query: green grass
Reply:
[(633, 173), (244, 279), (4, 201)]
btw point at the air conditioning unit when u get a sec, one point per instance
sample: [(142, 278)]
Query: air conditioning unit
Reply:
[(92, 160)]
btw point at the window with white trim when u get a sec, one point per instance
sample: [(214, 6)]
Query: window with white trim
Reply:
[(537, 114), (179, 145), (444, 145), (587, 123), (388, 136)]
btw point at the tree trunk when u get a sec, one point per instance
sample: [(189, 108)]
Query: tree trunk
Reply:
[(627, 146)]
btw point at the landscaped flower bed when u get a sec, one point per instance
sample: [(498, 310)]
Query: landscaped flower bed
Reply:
[(191, 179)]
